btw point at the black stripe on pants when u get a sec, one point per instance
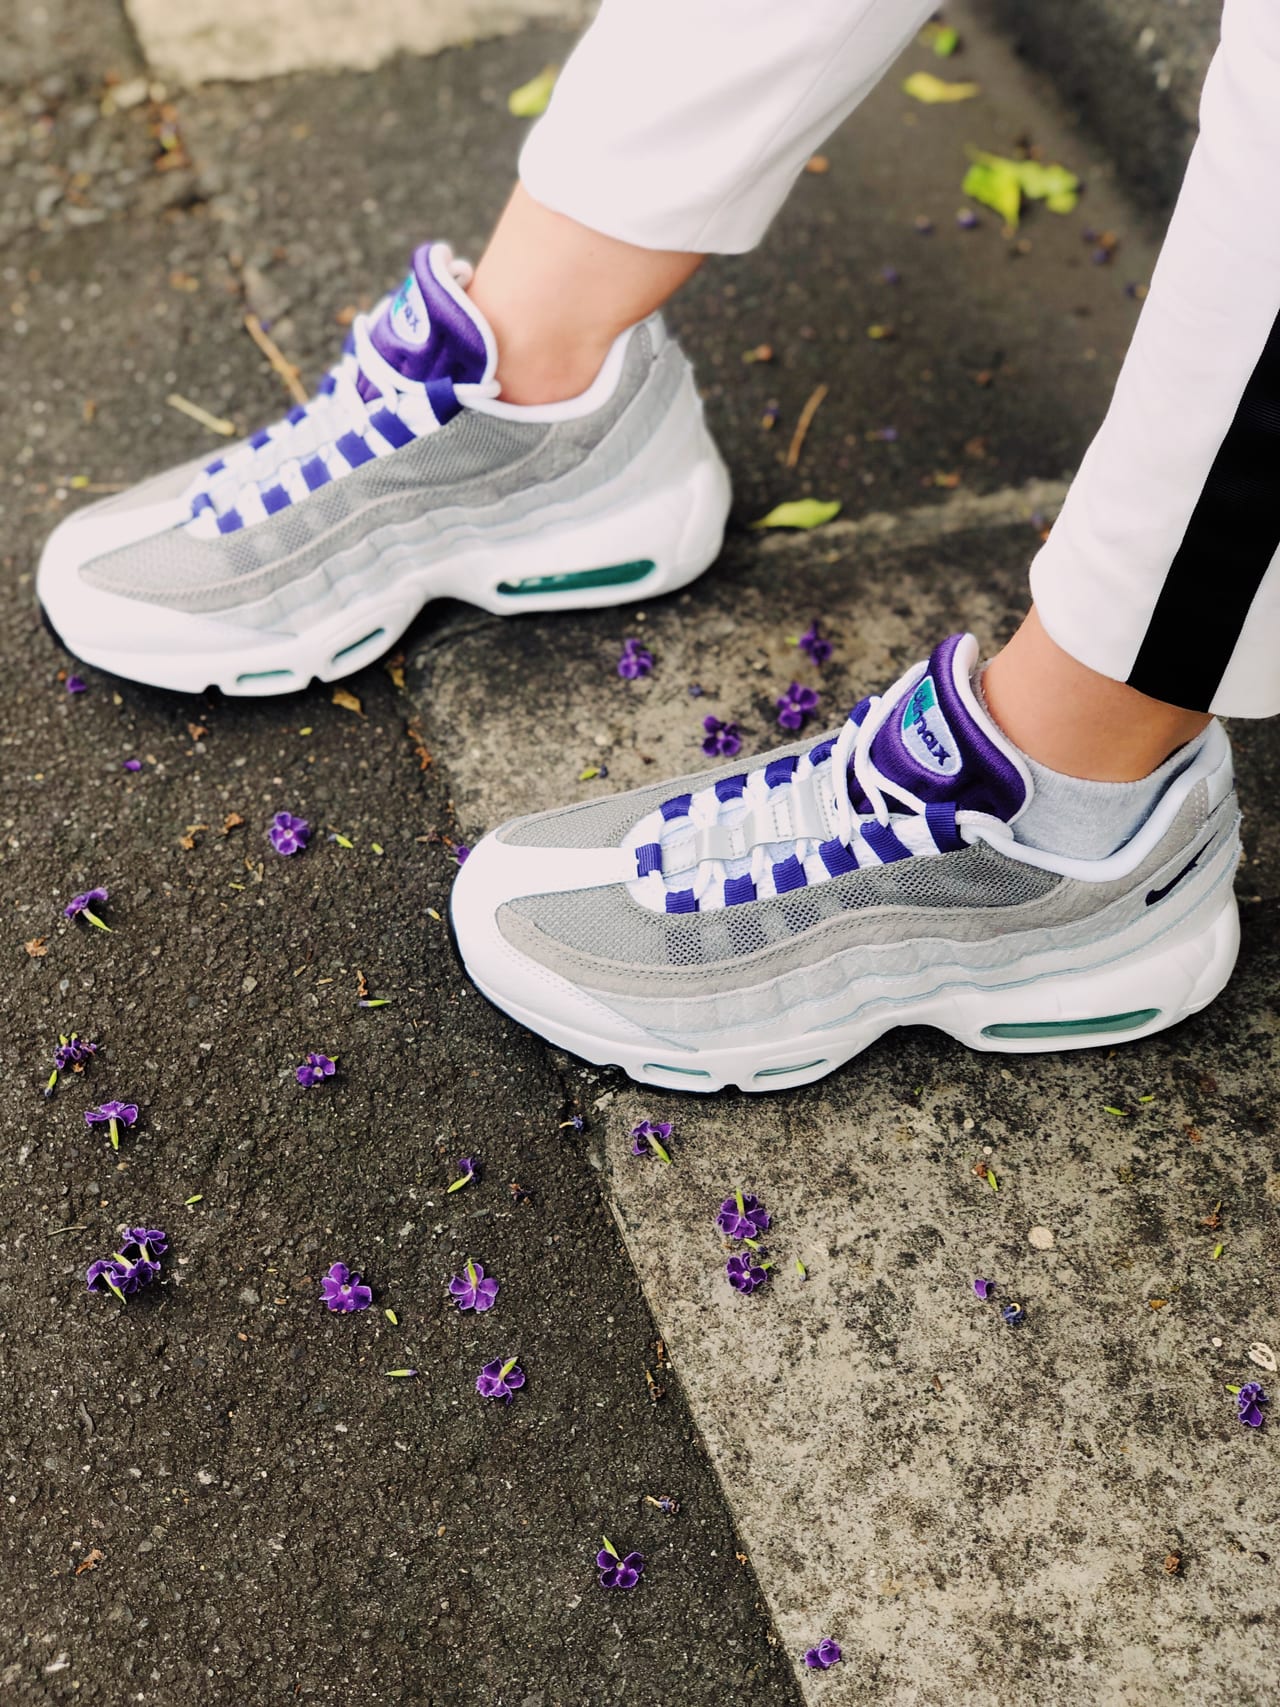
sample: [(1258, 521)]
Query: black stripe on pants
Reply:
[(1231, 538)]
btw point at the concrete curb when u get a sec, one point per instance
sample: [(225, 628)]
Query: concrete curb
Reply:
[(1131, 70)]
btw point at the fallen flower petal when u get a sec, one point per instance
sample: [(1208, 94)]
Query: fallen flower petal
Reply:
[(984, 1288), (468, 1166), (935, 91), (113, 1115), (1012, 1314), (635, 660), (824, 1656), (618, 1572), (648, 1138), (531, 99), (133, 764), (500, 1380), (742, 1216), (341, 1290), (1249, 1401), (745, 1274), (722, 740), (83, 903), (796, 706), (812, 644), (473, 1290), (288, 835), (315, 1069), (74, 684)]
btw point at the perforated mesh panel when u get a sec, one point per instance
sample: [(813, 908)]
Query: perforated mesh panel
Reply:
[(477, 462), (609, 926)]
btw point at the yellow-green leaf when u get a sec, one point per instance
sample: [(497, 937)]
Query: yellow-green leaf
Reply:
[(531, 98), (936, 91), (945, 40), (392, 1318), (996, 185), (801, 513)]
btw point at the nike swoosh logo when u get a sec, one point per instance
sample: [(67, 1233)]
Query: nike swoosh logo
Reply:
[(1159, 894)]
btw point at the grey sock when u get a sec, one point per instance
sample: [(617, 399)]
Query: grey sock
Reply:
[(1088, 820)]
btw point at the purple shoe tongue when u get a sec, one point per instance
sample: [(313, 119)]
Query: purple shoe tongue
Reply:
[(430, 331), (940, 743)]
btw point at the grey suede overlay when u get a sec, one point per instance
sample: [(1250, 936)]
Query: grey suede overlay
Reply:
[(926, 905), (477, 470)]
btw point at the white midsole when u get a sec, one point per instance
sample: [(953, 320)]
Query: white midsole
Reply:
[(1173, 975)]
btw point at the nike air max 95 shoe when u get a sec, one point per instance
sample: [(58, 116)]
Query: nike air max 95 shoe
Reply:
[(759, 926), (306, 550)]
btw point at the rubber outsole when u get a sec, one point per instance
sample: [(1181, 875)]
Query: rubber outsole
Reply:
[(1141, 992)]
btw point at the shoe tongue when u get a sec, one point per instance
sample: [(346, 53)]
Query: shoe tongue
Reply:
[(941, 744), (430, 330)]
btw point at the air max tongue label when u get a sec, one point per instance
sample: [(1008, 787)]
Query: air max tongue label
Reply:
[(926, 734), (410, 321)]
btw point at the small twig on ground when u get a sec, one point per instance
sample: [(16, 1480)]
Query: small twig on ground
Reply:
[(272, 351), (803, 424), (215, 423)]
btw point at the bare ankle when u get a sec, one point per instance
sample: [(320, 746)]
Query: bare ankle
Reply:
[(1073, 720)]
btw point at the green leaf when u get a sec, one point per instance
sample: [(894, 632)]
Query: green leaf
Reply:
[(343, 841), (459, 1183), (609, 1547), (471, 1271), (1039, 182), (198, 1198), (376, 1002), (1217, 1252), (991, 1180), (1063, 201), (377, 847), (936, 91), (995, 184), (801, 513), (945, 40), (589, 774), (531, 98), (392, 1318), (658, 1151), (1230, 1389), (507, 1367), (801, 1270), (400, 1374), (737, 1198), (1108, 1108)]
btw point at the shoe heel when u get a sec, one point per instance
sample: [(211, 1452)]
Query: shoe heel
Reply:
[(1139, 995)]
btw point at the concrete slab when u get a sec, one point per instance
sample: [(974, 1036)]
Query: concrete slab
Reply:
[(203, 41), (976, 1513)]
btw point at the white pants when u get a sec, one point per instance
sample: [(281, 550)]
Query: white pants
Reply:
[(682, 124)]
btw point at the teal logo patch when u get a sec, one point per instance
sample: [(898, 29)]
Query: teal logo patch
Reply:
[(926, 735), (409, 319)]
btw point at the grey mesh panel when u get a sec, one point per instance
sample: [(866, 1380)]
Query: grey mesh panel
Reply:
[(603, 940), (478, 466), (604, 823)]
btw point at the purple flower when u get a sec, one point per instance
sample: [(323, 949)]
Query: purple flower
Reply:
[(796, 706), (473, 1290), (1250, 1400), (75, 685), (824, 1656), (135, 1265), (984, 1288), (113, 1115), (1013, 1314), (288, 834), (575, 1121), (469, 1170), (649, 1139), (315, 1069), (696, 690), (133, 764), (83, 904), (461, 852), (742, 1217), (745, 1273), (886, 435), (500, 1380), (814, 646), (635, 660), (342, 1290), (616, 1571), (722, 740), (967, 219), (71, 1054)]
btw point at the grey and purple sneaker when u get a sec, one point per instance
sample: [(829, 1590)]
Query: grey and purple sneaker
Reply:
[(758, 927), (306, 550)]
